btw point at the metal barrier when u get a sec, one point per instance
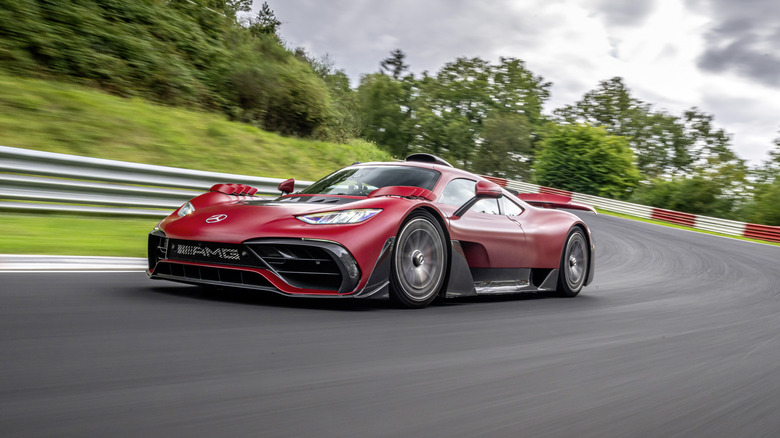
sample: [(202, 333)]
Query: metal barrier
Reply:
[(50, 182), (45, 181), (706, 223)]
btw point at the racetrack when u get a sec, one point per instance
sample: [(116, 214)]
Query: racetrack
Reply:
[(679, 335)]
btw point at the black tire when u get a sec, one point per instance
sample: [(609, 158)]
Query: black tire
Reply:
[(419, 261), (575, 260)]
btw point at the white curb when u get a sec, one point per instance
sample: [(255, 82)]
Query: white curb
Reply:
[(39, 263)]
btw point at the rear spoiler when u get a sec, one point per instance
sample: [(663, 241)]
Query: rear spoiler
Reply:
[(546, 200)]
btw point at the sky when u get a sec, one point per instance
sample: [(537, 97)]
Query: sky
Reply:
[(721, 56)]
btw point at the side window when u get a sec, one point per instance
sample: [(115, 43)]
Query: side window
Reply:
[(510, 208), (487, 206), (457, 192)]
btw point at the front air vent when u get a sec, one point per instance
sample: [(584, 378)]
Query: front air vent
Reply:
[(307, 267), (209, 274), (157, 248)]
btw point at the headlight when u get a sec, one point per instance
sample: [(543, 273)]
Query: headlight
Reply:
[(340, 217), (185, 209)]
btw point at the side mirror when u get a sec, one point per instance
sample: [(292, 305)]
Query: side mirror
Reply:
[(287, 186), (483, 189), (487, 189)]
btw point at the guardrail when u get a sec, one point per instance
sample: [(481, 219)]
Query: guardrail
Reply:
[(45, 181), (706, 223)]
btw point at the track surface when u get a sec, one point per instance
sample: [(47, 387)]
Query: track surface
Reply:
[(678, 336)]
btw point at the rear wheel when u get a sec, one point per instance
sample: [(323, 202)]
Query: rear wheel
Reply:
[(419, 261), (575, 260)]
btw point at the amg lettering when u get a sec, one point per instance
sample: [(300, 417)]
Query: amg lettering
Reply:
[(223, 253)]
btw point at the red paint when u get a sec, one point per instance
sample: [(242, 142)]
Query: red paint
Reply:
[(674, 217), (553, 201), (403, 191), (500, 181), (762, 232), (552, 191)]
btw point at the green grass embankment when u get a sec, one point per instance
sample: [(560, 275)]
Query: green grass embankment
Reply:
[(65, 118)]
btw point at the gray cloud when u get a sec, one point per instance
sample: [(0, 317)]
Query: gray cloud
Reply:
[(744, 38), (625, 12), (358, 34)]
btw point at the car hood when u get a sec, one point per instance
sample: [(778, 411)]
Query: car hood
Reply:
[(236, 221)]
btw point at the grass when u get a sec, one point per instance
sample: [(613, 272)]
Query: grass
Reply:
[(73, 235), (65, 118)]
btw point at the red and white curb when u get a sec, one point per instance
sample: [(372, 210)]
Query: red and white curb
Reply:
[(49, 263)]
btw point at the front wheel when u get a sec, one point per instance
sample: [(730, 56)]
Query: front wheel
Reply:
[(419, 261), (574, 264)]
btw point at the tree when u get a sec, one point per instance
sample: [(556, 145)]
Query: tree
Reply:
[(586, 159), (395, 64), (656, 138), (764, 207), (507, 148), (695, 195), (769, 170), (265, 22), (231, 8), (385, 105)]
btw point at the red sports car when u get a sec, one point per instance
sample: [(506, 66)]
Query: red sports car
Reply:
[(411, 231)]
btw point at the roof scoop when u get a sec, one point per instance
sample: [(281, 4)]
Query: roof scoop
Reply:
[(427, 158)]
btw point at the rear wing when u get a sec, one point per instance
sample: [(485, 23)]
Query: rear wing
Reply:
[(546, 200)]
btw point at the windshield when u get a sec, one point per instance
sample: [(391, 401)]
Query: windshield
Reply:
[(360, 181)]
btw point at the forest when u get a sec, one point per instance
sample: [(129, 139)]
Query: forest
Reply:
[(486, 116)]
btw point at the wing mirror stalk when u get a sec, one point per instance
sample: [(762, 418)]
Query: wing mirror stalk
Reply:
[(483, 189)]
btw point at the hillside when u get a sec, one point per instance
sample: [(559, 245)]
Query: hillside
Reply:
[(61, 117)]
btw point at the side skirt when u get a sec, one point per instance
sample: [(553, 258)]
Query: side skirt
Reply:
[(508, 281), (465, 281)]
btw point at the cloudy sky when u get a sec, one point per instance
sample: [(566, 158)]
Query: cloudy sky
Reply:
[(722, 56)]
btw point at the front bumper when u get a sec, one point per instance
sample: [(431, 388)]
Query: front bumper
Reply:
[(297, 267)]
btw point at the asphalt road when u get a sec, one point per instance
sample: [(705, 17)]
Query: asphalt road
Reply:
[(678, 336)]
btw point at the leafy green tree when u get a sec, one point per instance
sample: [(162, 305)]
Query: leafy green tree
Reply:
[(769, 170), (515, 89), (231, 8), (507, 146), (346, 119), (385, 105), (394, 64), (697, 195), (586, 159), (658, 139), (765, 208), (465, 93), (265, 22)]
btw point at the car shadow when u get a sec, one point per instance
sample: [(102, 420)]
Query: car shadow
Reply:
[(270, 299)]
